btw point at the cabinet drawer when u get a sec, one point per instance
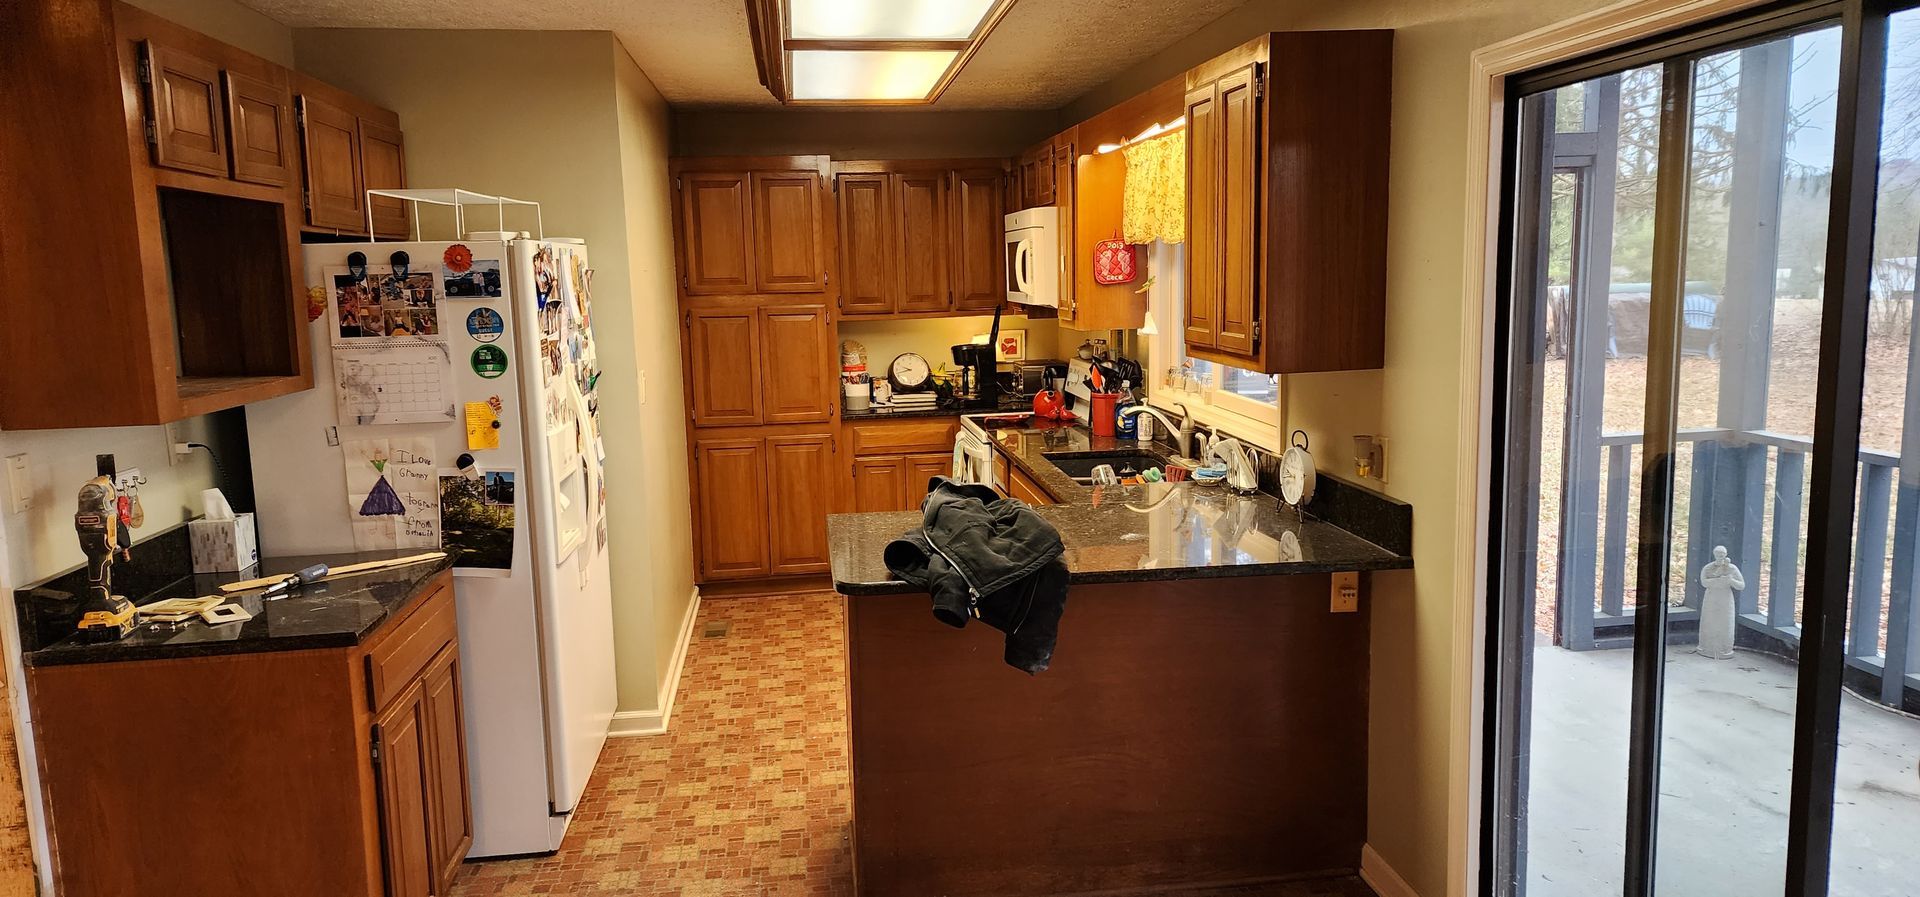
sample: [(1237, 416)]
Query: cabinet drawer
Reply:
[(399, 658), (904, 437)]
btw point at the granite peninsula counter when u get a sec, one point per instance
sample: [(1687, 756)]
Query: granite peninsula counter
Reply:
[(1204, 722)]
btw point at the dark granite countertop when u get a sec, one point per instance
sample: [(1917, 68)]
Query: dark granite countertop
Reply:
[(1158, 531), (334, 614)]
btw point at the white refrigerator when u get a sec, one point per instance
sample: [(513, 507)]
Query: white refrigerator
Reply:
[(487, 382)]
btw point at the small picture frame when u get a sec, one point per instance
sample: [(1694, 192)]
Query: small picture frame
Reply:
[(1012, 346)]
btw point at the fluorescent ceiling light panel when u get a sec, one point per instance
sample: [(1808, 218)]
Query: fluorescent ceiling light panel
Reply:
[(885, 19), (867, 74)]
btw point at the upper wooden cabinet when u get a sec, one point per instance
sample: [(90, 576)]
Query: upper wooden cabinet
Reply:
[(189, 223), (771, 364), (350, 146), (753, 225), (789, 236), (864, 208), (183, 91), (260, 118), (915, 239), (921, 246), (716, 226), (1287, 141), (979, 240)]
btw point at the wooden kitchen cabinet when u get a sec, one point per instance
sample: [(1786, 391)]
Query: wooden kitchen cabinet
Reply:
[(350, 146), (864, 206), (1286, 253), (760, 364), (879, 484), (921, 241), (751, 226), (732, 489), (189, 228), (716, 226), (938, 253), (788, 232), (798, 378), (402, 761), (188, 126), (331, 145), (260, 120), (762, 499), (979, 240), (724, 355), (383, 166), (800, 496), (361, 781)]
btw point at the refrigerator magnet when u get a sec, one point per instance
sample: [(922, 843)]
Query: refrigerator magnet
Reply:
[(489, 361), (485, 324)]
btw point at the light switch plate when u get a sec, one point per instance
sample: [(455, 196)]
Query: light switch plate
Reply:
[(19, 484), (1346, 593)]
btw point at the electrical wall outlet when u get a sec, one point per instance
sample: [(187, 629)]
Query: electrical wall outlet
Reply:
[(1346, 593), (177, 449), (19, 484)]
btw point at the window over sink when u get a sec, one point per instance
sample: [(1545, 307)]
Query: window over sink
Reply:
[(1242, 402)]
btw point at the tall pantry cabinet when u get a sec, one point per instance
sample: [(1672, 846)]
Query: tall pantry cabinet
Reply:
[(758, 315)]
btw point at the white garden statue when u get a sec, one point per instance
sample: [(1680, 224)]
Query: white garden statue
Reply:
[(1719, 578)]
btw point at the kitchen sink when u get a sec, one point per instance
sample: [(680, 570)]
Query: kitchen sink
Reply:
[(1080, 466)]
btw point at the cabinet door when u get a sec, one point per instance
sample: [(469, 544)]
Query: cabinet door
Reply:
[(330, 143), (1238, 130), (790, 243), (979, 241), (865, 209), (260, 123), (451, 806), (1064, 161), (401, 733), (1043, 174), (921, 469), (732, 495), (1204, 260), (798, 375), (724, 363), (924, 247), (879, 484), (800, 485), (716, 233), (184, 91), (383, 166)]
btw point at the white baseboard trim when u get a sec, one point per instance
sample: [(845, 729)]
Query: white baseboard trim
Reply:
[(1380, 877), (654, 722)]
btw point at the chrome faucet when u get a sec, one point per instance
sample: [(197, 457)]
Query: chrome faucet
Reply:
[(1182, 433)]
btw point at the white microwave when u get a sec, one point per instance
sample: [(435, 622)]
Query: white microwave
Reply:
[(1033, 257)]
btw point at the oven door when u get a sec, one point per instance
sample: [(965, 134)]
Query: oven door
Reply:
[(972, 459)]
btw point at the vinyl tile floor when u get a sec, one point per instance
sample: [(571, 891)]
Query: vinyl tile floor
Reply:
[(748, 793)]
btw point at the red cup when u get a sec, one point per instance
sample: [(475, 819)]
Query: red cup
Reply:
[(1103, 404)]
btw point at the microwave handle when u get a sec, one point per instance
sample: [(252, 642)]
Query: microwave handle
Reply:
[(1022, 267)]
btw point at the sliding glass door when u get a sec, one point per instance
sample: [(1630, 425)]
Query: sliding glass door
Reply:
[(1705, 532)]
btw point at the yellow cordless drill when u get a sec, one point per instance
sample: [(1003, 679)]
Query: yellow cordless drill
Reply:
[(104, 616)]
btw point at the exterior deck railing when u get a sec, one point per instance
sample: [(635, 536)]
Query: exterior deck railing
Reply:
[(1755, 490)]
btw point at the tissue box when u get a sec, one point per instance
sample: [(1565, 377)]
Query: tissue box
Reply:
[(223, 546)]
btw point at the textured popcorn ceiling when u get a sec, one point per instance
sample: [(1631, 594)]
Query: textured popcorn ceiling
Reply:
[(1044, 53)]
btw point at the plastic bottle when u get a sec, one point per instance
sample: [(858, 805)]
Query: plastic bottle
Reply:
[(1123, 423)]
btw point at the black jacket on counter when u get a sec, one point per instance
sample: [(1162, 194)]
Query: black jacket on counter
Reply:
[(982, 556)]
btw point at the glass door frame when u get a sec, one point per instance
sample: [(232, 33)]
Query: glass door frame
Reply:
[(1832, 471)]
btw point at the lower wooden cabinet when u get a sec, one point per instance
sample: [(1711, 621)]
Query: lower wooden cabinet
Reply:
[(896, 482), (762, 501), (347, 766)]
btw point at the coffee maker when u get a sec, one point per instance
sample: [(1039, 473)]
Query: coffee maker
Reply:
[(979, 370), (979, 387)]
